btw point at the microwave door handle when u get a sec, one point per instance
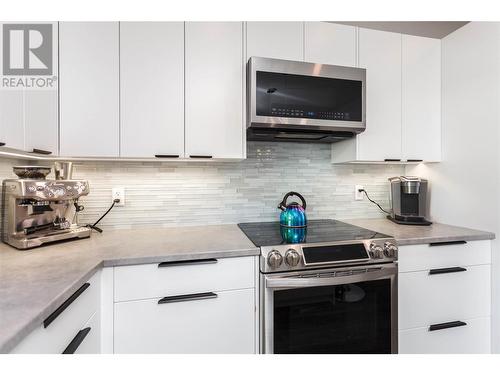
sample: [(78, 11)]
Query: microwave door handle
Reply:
[(305, 282)]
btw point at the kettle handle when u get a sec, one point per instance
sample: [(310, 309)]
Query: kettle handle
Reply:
[(282, 205)]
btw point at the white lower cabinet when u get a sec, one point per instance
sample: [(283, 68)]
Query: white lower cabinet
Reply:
[(472, 338), (192, 306), (222, 323), (66, 329), (444, 298)]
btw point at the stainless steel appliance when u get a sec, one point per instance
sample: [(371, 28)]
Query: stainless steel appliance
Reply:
[(334, 293), (37, 211), (408, 196), (304, 102)]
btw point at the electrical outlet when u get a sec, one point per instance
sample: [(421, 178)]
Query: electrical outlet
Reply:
[(118, 193), (358, 195)]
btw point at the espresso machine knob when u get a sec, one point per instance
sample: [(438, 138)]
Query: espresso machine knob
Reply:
[(376, 251), (292, 257), (274, 259), (390, 250)]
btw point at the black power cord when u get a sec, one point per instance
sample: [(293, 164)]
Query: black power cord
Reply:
[(364, 191), (94, 226)]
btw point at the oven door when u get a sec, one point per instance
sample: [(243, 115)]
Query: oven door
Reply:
[(334, 311)]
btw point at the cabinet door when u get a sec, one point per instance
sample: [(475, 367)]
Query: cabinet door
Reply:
[(214, 90), (224, 324), (277, 40), (329, 43), (152, 89), (11, 118), (421, 58), (380, 55), (89, 89)]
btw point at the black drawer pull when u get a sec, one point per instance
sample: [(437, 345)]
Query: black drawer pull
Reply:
[(200, 156), (166, 156), (187, 297), (437, 327), (65, 304), (2, 143), (75, 343), (187, 262), (41, 152), (438, 271), (392, 159), (447, 243), (414, 160)]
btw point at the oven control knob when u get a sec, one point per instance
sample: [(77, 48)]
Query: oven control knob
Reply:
[(390, 250), (292, 258), (376, 251), (274, 259)]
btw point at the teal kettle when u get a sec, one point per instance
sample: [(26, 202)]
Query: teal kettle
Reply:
[(293, 214)]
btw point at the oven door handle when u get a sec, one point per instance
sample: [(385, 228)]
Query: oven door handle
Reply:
[(343, 277)]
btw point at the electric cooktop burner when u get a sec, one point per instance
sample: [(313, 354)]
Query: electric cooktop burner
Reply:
[(268, 233)]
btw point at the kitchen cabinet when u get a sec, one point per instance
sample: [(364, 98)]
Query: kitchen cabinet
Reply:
[(89, 89), (421, 98), (329, 43), (214, 79), (29, 114), (197, 306), (403, 100), (70, 322), (444, 298), (152, 89), (277, 40)]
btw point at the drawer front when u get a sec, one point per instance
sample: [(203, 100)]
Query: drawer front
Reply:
[(59, 333), (426, 299), (91, 344), (423, 257), (153, 281), (474, 337), (224, 324)]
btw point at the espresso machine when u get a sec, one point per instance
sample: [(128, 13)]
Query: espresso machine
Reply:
[(37, 211), (409, 202)]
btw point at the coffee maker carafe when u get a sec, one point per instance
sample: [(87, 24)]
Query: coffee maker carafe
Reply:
[(408, 197)]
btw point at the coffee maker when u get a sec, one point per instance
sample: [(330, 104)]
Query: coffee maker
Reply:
[(37, 211), (408, 197)]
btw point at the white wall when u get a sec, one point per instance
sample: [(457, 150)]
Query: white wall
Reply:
[(465, 186)]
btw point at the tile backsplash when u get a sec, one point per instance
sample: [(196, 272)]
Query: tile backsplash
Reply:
[(214, 192)]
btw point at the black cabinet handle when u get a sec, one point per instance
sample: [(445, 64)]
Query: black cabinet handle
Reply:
[(414, 160), (187, 297), (438, 271), (166, 156), (200, 156), (75, 343), (65, 304), (42, 152), (447, 243), (437, 327), (187, 262), (392, 159), (2, 143)]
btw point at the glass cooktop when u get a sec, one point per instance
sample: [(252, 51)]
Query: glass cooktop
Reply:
[(269, 234)]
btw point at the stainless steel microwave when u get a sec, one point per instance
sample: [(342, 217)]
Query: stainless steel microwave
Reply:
[(304, 102)]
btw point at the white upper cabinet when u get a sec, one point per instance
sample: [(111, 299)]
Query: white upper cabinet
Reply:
[(11, 118), (277, 40), (89, 89), (380, 55), (329, 43), (41, 123), (152, 89), (214, 90), (421, 132)]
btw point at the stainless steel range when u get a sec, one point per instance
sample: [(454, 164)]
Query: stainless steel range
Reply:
[(333, 292)]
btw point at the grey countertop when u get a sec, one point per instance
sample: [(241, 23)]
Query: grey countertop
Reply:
[(35, 282), (418, 234)]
